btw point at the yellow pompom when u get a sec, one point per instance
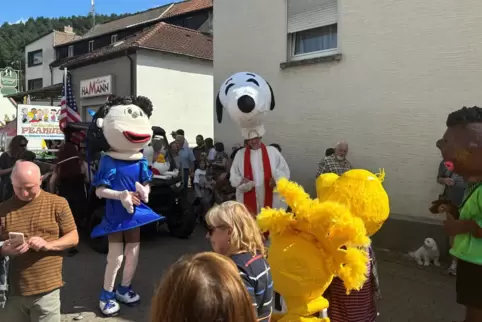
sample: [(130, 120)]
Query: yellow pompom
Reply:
[(363, 193), (292, 193), (324, 182), (353, 268), (161, 158), (274, 220)]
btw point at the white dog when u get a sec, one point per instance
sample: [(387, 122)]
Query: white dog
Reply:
[(248, 98), (427, 252)]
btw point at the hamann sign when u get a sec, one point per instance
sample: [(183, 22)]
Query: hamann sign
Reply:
[(100, 86)]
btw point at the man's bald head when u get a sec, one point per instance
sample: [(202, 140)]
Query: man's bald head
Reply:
[(26, 180), (341, 150), (342, 144)]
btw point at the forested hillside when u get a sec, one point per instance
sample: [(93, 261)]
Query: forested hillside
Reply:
[(14, 37)]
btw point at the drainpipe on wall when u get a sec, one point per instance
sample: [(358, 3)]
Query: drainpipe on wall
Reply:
[(52, 82), (133, 75)]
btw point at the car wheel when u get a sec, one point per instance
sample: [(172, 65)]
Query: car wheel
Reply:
[(182, 222), (101, 244)]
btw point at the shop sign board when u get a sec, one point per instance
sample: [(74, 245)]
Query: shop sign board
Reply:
[(99, 86)]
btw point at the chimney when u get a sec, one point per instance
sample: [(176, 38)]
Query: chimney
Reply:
[(69, 29)]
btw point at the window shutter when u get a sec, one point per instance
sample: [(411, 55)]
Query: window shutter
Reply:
[(310, 14)]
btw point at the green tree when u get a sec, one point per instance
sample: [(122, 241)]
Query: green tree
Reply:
[(14, 37)]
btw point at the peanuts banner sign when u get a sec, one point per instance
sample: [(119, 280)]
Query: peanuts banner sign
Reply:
[(39, 122)]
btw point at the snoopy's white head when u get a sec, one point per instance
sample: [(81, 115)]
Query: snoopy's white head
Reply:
[(247, 97), (430, 243)]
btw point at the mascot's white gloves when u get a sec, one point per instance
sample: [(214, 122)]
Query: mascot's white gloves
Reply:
[(123, 196), (143, 191), (246, 187)]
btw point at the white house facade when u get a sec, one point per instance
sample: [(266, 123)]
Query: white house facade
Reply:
[(178, 80), (181, 89), (383, 77), (38, 56)]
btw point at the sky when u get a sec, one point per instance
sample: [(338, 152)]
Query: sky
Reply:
[(20, 10)]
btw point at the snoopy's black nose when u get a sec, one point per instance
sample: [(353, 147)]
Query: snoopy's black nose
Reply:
[(246, 103)]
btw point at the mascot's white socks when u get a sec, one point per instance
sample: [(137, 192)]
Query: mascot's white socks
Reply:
[(123, 293)]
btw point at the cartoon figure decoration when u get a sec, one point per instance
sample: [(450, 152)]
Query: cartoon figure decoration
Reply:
[(30, 117), (362, 193), (256, 168), (24, 115), (45, 114), (311, 245), (40, 115), (160, 167), (53, 115), (123, 180)]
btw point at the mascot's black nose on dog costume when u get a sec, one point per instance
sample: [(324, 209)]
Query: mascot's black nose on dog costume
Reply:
[(122, 128), (248, 98)]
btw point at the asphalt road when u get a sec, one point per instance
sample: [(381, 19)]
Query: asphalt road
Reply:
[(410, 293)]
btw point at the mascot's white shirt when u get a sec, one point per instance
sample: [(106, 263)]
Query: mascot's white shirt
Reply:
[(279, 169)]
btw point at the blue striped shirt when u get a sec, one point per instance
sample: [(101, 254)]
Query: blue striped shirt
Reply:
[(256, 275)]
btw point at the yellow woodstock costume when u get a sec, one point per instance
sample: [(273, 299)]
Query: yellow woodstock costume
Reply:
[(359, 190), (321, 239)]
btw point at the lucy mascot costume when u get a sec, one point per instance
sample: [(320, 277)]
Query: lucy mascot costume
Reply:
[(123, 180)]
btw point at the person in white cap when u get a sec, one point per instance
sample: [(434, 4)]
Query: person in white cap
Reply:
[(256, 169)]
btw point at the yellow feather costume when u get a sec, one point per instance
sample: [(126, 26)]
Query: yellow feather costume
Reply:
[(310, 246), (359, 190)]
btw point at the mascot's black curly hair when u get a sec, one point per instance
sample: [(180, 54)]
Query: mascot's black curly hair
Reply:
[(143, 102), (96, 141), (464, 116)]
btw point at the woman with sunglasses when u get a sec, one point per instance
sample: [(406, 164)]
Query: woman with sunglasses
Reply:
[(233, 232), (16, 151)]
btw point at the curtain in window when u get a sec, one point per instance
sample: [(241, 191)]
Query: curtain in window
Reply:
[(314, 40)]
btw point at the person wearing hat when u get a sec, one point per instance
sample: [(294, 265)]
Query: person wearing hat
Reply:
[(174, 134), (255, 170)]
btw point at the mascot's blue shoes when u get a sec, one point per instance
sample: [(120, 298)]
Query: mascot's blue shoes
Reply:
[(108, 304), (127, 296)]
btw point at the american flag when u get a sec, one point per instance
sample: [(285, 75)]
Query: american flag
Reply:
[(68, 111)]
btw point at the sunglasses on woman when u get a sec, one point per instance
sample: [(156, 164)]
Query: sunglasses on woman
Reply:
[(211, 229)]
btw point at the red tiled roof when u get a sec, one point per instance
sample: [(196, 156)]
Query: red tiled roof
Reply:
[(151, 15), (161, 37), (186, 7)]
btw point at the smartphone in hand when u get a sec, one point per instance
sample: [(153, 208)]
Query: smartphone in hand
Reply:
[(16, 239)]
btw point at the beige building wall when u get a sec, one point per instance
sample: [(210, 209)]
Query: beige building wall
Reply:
[(181, 89), (405, 65)]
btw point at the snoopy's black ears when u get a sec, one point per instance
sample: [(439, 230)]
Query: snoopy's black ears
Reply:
[(272, 98), (219, 109)]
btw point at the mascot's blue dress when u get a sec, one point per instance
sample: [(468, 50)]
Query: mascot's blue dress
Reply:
[(122, 175)]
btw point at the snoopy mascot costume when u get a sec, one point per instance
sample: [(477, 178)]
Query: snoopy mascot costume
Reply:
[(122, 127), (256, 168)]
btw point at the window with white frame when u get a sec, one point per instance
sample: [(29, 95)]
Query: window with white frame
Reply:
[(312, 28), (70, 51), (91, 46), (113, 39)]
